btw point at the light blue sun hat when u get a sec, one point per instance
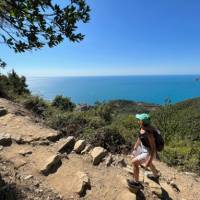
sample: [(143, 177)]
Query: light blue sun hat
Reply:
[(143, 117)]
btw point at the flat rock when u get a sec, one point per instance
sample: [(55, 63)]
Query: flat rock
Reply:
[(5, 139), (67, 145), (87, 148), (79, 146), (3, 111), (25, 152), (51, 165), (28, 177), (98, 153), (81, 183)]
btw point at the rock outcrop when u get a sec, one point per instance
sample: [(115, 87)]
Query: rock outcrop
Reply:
[(79, 146), (51, 165), (87, 148), (67, 145), (82, 183), (3, 111), (98, 153), (5, 139)]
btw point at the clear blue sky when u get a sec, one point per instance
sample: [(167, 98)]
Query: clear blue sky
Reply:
[(123, 38)]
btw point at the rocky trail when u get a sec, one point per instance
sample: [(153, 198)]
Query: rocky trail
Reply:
[(37, 163)]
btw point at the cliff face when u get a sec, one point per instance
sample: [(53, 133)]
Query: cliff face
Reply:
[(38, 163)]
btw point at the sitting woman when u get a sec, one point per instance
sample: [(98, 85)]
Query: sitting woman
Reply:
[(144, 150)]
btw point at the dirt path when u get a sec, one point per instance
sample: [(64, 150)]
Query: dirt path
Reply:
[(20, 165)]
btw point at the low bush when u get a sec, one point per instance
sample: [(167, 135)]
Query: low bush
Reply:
[(12, 86), (69, 123), (63, 103), (186, 158), (109, 138), (36, 104)]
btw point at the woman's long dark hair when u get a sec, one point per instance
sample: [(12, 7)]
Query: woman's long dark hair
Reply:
[(149, 128)]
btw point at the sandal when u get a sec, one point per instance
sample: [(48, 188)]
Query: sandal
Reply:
[(133, 184), (153, 177)]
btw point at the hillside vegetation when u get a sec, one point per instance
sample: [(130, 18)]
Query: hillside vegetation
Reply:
[(112, 125)]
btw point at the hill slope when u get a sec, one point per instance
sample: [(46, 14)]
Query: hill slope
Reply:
[(32, 145)]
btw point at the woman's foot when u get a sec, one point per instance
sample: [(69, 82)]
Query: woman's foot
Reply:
[(133, 184), (153, 177)]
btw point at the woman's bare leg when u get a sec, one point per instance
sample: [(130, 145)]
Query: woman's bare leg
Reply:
[(153, 169), (136, 170)]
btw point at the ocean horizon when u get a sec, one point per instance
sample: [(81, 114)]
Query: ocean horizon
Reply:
[(142, 88)]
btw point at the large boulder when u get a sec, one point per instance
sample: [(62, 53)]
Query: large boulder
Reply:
[(79, 146), (67, 145), (5, 139), (51, 165), (3, 111), (98, 153), (82, 183)]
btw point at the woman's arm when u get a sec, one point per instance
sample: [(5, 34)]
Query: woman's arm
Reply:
[(137, 144), (152, 149)]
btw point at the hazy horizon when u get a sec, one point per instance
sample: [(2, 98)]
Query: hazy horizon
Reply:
[(63, 76)]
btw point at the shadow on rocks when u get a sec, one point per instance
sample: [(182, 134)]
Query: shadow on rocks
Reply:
[(165, 195), (9, 192), (53, 168), (140, 195)]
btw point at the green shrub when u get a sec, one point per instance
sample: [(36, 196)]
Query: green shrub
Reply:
[(104, 111), (186, 158), (96, 122), (70, 123), (36, 104), (12, 85), (128, 128), (109, 138), (63, 103), (56, 120)]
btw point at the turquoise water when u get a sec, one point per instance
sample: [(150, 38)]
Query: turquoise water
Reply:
[(151, 89)]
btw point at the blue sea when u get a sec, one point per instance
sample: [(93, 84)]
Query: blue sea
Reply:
[(151, 89)]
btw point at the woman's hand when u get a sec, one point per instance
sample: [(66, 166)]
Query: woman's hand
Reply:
[(137, 144)]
